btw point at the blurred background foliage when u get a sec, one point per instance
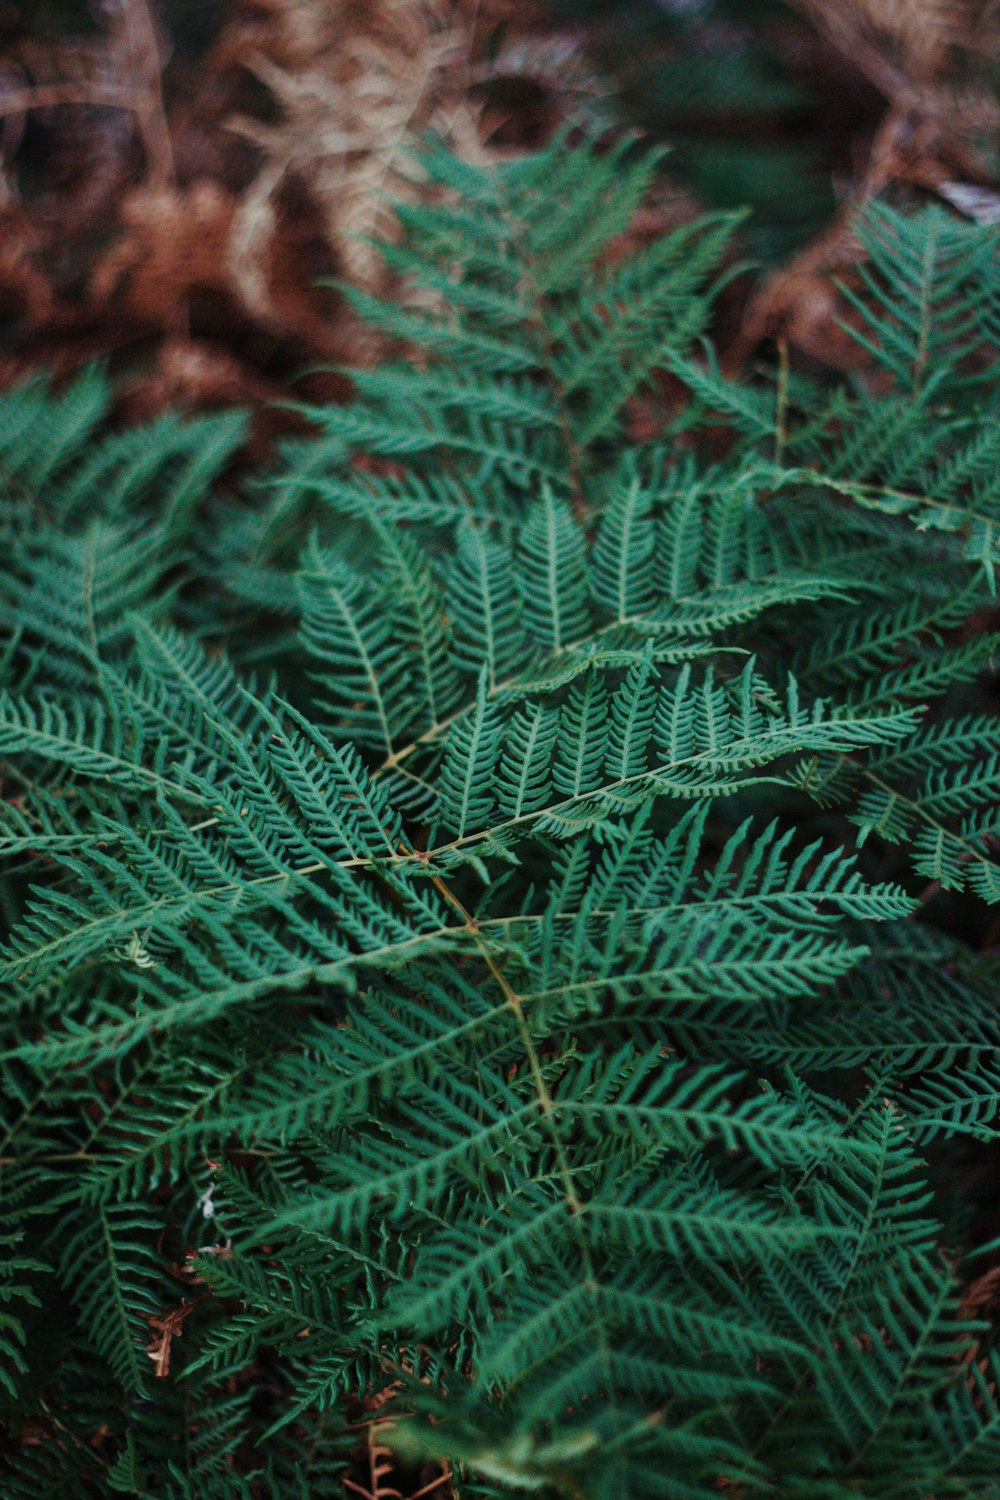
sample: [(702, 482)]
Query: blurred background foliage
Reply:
[(181, 180), (732, 88), (777, 105)]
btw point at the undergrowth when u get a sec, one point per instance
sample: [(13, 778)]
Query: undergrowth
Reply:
[(476, 980)]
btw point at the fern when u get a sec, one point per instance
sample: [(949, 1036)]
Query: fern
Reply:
[(477, 949)]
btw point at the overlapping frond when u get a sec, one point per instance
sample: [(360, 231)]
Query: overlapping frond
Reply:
[(473, 907)]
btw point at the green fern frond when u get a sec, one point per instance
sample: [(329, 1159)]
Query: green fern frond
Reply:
[(481, 956)]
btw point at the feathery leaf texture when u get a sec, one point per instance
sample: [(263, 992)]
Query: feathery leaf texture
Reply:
[(462, 895)]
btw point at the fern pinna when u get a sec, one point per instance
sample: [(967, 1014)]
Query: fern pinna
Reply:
[(479, 901)]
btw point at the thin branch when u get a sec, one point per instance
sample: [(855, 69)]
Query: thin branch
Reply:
[(151, 117), (50, 95)]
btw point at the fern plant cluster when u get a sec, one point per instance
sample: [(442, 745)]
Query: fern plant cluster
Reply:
[(480, 901)]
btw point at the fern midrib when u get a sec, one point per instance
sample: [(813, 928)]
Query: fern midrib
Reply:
[(740, 754), (574, 1202), (943, 1295), (859, 490), (845, 1283), (971, 852)]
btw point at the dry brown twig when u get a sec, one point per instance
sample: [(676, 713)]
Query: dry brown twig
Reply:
[(350, 106), (205, 249), (927, 138), (381, 1470), (145, 52), (166, 1327)]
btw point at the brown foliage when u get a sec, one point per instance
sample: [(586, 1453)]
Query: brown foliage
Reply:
[(940, 113), (181, 218)]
